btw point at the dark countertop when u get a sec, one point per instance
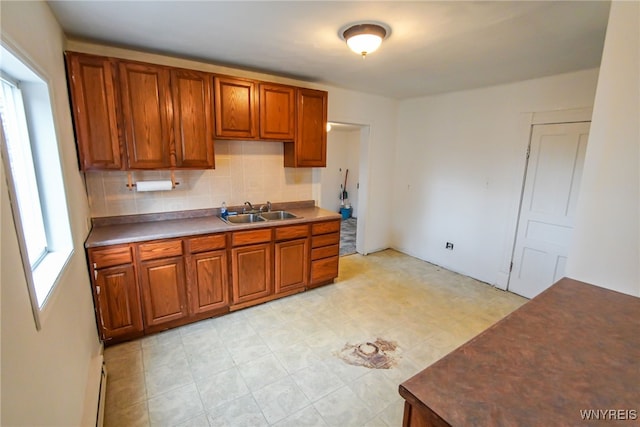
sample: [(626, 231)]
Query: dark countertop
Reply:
[(139, 228), (574, 347)]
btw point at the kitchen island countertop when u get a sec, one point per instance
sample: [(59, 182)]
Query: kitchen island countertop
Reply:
[(568, 353)]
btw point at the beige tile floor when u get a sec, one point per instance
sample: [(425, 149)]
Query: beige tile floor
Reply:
[(276, 364)]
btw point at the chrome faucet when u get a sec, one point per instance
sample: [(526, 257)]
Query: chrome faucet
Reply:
[(244, 210), (268, 206)]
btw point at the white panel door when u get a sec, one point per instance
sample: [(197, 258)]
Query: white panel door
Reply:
[(548, 206)]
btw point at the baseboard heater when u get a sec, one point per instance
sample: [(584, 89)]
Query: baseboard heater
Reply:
[(102, 397)]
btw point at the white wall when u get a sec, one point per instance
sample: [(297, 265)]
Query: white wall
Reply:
[(378, 117), (459, 168), (45, 373), (606, 243), (332, 176)]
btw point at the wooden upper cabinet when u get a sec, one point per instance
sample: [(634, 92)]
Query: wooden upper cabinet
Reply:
[(94, 100), (277, 112), (132, 115), (235, 108), (146, 109), (310, 146), (192, 118)]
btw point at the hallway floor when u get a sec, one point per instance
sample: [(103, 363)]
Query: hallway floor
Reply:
[(348, 229), (277, 363)]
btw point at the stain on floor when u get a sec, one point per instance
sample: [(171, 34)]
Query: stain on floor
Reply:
[(379, 354)]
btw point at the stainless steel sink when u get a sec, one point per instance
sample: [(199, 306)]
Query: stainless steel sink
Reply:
[(249, 218), (243, 219), (277, 215)]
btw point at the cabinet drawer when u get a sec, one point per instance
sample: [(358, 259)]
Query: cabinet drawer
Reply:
[(325, 240), (324, 269), (292, 232), (157, 250), (325, 252), (325, 227), (111, 256), (207, 243), (240, 238)]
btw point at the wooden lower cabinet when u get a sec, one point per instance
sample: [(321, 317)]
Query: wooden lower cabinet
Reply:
[(291, 265), (162, 283), (325, 249), (117, 302), (150, 286), (208, 286), (324, 270), (251, 273)]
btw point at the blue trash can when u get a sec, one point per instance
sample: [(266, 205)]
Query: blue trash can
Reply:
[(346, 212)]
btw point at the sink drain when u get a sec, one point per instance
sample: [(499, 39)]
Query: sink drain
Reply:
[(379, 354)]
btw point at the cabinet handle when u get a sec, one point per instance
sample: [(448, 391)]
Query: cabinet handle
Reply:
[(95, 271), (97, 290)]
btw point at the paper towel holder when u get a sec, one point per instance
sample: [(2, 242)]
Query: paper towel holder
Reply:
[(130, 184)]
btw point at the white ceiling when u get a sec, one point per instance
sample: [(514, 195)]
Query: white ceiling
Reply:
[(434, 46)]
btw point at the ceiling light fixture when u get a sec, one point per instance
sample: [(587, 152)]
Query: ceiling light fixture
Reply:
[(364, 38)]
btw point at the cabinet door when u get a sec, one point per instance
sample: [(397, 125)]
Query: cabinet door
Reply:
[(277, 112), (146, 107), (236, 108), (118, 302), (163, 290), (310, 146), (324, 270), (251, 272), (292, 261), (93, 99), (208, 284), (192, 118)]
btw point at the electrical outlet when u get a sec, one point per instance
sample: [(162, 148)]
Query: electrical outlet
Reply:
[(449, 246)]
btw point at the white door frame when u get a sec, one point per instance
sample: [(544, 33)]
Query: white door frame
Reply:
[(363, 179), (527, 121)]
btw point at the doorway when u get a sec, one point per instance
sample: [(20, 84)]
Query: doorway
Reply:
[(547, 209), (340, 189)]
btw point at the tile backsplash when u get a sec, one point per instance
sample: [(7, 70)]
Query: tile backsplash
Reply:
[(245, 170)]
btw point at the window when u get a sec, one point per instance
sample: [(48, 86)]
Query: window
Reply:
[(14, 124), (36, 188)]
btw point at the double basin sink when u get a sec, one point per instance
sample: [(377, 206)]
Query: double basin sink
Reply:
[(248, 218)]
